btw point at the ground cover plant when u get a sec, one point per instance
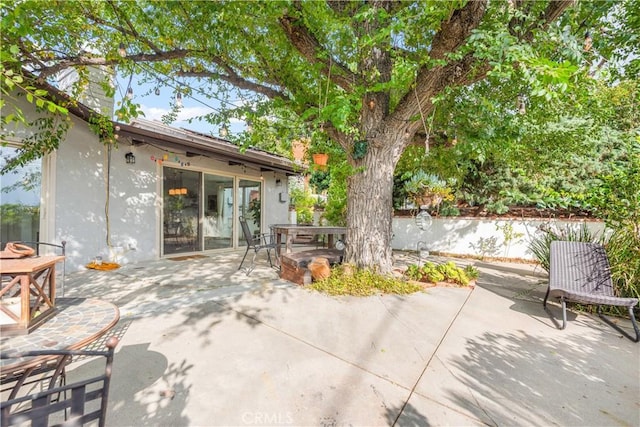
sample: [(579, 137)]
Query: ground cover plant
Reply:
[(348, 280), (447, 272)]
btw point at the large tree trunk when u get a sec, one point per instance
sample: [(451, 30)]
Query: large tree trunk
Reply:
[(370, 209)]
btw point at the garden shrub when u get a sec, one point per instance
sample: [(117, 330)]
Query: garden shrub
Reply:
[(540, 245)]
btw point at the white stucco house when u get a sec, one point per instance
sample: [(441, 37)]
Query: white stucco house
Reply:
[(160, 192)]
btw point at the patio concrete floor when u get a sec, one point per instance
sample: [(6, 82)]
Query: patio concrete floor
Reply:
[(202, 344)]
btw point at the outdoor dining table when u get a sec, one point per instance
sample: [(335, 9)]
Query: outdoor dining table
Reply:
[(290, 231), (77, 323), (35, 302)]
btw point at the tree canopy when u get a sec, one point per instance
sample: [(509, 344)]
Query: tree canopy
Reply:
[(360, 73)]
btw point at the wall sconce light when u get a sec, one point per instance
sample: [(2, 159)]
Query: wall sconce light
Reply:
[(278, 182), (130, 158)]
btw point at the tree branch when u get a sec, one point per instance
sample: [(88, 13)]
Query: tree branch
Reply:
[(80, 60), (307, 45), (130, 32), (466, 71), (455, 31), (237, 81), (554, 9)]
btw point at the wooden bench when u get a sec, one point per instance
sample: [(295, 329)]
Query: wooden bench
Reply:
[(293, 266), (580, 272)]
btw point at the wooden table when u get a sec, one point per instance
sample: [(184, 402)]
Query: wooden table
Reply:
[(77, 322), (36, 277), (290, 231)]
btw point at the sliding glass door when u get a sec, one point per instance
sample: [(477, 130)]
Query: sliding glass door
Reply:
[(181, 231), (249, 206), (201, 209), (217, 223)]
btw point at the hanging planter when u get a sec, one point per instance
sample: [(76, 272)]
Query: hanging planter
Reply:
[(360, 149), (320, 159)]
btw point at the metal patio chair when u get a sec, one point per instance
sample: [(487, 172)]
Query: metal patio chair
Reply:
[(71, 404), (257, 243)]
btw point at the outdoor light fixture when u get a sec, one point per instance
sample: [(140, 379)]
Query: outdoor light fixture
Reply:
[(588, 41), (224, 131), (179, 99), (157, 91), (121, 50), (423, 219), (522, 106), (129, 93), (130, 158)]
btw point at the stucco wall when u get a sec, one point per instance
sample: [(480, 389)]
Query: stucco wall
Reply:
[(134, 199), (480, 237), (74, 195)]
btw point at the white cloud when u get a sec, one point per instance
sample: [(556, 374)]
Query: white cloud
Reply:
[(156, 113), (186, 113)]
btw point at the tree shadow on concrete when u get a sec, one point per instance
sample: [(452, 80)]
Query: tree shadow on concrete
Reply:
[(410, 417), (145, 389), (210, 288), (518, 379)]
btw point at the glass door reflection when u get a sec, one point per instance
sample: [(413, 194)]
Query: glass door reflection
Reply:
[(249, 206), (181, 193), (217, 223)]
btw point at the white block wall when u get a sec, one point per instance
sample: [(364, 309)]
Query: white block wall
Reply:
[(478, 237)]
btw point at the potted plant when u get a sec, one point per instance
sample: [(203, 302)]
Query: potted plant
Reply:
[(320, 159), (426, 189), (320, 148)]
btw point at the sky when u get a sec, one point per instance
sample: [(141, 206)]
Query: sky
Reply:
[(155, 106)]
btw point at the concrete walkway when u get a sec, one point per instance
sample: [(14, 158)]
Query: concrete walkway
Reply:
[(203, 344)]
